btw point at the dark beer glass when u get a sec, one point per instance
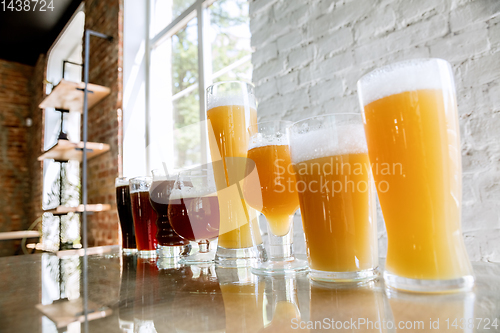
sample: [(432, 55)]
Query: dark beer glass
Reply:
[(170, 244), (194, 211), (125, 215), (144, 216)]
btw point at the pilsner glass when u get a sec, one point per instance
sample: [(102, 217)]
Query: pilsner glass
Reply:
[(276, 197), (337, 198), (193, 211), (170, 244), (231, 108), (124, 209), (411, 124), (144, 216)]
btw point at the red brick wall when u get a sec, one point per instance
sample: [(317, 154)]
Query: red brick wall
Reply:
[(35, 139), (14, 172), (105, 69)]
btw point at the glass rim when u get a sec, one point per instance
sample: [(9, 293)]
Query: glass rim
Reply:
[(226, 82), (399, 64), (328, 115), (139, 178), (122, 181)]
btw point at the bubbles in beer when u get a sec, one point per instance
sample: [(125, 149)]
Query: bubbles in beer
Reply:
[(403, 76)]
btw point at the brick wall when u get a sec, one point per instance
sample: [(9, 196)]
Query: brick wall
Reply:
[(309, 55), (14, 172), (105, 69), (35, 140)]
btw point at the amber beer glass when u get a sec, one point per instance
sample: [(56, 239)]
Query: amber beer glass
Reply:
[(337, 198), (124, 209), (144, 216), (410, 116), (231, 108), (276, 196)]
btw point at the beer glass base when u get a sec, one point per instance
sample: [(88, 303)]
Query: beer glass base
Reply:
[(129, 252), (199, 258), (178, 251), (147, 253), (284, 267), (344, 277), (244, 257), (463, 283)]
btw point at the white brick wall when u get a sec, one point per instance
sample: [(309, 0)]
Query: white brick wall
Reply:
[(309, 55)]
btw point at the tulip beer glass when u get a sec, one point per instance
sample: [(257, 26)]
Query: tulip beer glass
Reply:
[(276, 196), (193, 211)]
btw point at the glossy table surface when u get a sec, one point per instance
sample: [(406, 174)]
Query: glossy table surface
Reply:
[(44, 293)]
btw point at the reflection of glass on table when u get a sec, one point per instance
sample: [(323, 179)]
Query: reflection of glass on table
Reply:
[(243, 299)]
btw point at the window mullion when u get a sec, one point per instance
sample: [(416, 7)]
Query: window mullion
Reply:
[(204, 74)]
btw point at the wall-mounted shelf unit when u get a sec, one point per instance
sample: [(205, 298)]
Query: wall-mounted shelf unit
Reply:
[(63, 210), (68, 95), (66, 150)]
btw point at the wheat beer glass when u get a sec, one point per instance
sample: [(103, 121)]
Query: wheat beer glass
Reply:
[(276, 197), (144, 216), (231, 108), (411, 125), (337, 197)]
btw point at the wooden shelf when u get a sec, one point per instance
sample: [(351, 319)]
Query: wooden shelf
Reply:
[(65, 150), (62, 210), (10, 235), (68, 95)]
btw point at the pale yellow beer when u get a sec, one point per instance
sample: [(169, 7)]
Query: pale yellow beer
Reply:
[(411, 120), (339, 224), (337, 197), (278, 189), (228, 120)]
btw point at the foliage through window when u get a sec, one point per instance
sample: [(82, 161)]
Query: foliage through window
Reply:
[(175, 73)]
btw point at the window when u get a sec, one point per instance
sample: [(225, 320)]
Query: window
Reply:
[(191, 44)]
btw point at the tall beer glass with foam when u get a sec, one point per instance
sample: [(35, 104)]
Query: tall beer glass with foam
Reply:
[(231, 108), (337, 197), (411, 125)]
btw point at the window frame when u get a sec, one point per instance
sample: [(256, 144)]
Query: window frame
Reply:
[(199, 10)]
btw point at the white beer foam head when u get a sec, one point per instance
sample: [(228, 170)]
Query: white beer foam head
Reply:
[(260, 140), (230, 99), (323, 142), (403, 76), (121, 182)]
